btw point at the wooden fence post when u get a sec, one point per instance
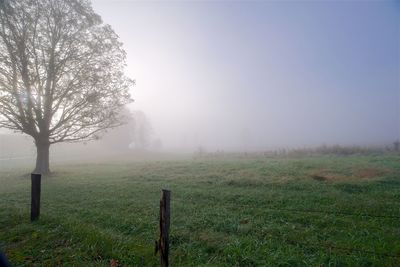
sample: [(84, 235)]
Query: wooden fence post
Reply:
[(35, 196), (163, 243)]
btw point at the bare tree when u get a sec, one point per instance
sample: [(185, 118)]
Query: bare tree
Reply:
[(141, 130), (396, 145), (61, 73), (118, 139), (136, 134)]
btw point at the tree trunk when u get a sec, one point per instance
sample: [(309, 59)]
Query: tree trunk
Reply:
[(42, 157)]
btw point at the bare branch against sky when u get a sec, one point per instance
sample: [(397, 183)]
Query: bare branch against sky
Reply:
[(61, 73)]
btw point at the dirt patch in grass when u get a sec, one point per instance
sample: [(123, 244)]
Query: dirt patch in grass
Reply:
[(244, 183), (354, 173), (319, 177), (213, 241), (370, 172), (324, 175)]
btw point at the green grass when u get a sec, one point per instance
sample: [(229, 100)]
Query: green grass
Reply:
[(231, 212)]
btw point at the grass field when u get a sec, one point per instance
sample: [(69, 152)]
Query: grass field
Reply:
[(310, 211)]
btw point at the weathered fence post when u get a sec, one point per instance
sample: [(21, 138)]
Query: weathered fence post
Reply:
[(35, 196), (163, 243)]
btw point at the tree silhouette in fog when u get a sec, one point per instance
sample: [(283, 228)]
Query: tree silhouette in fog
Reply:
[(136, 134), (141, 131), (61, 73)]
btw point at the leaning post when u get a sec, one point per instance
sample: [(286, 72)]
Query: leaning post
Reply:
[(163, 243)]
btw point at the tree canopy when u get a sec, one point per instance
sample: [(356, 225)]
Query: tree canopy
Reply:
[(61, 72)]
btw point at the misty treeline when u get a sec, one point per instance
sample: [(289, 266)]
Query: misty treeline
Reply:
[(61, 73), (338, 150), (136, 136)]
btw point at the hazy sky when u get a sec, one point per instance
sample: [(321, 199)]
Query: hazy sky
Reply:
[(232, 75)]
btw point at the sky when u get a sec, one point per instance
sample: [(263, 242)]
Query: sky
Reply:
[(262, 74)]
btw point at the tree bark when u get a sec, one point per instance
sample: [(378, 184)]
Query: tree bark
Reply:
[(42, 157)]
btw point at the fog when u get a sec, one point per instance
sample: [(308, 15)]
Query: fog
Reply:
[(249, 75), (229, 75)]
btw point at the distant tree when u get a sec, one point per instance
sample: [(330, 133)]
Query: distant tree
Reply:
[(157, 144), (141, 130), (396, 145), (61, 73), (118, 139), (136, 133)]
